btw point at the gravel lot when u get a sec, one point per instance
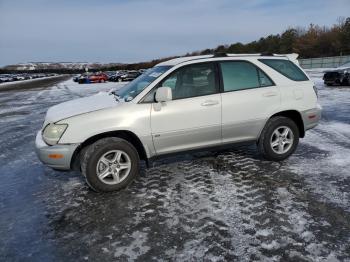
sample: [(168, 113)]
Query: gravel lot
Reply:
[(207, 206)]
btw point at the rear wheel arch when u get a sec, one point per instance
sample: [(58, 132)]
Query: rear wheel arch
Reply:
[(295, 116), (127, 135)]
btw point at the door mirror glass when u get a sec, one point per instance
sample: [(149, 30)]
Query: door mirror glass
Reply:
[(164, 94)]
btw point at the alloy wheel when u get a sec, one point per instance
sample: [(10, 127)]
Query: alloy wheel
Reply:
[(282, 140), (113, 167)]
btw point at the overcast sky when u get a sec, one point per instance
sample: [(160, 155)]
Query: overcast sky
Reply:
[(136, 30)]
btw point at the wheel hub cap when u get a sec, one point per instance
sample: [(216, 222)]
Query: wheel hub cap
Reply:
[(113, 167), (282, 140)]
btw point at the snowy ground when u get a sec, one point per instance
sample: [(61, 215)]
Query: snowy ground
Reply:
[(208, 206)]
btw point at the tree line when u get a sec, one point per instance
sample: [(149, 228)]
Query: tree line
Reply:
[(313, 41)]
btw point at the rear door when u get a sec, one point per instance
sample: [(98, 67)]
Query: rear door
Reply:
[(193, 118), (248, 99)]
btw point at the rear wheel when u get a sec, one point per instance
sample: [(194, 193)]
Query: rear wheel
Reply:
[(110, 164), (279, 138)]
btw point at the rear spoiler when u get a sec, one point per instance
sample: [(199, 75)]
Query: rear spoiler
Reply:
[(293, 57)]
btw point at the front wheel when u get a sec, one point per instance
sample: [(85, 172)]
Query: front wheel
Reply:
[(110, 164), (279, 138)]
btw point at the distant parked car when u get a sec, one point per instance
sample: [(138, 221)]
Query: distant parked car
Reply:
[(27, 76), (19, 77), (129, 76), (3, 78), (6, 78), (116, 77), (76, 78), (338, 76), (83, 78), (109, 74), (142, 70), (98, 78), (93, 78)]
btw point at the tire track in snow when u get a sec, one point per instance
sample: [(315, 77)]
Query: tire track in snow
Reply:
[(217, 207)]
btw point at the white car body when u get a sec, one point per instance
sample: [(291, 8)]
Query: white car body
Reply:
[(185, 124)]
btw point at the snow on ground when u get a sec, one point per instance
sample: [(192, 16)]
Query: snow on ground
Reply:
[(229, 205), (332, 140)]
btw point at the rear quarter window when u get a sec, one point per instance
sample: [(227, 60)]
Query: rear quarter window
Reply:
[(286, 68)]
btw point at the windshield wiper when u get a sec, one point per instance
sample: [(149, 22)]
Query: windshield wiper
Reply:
[(116, 96)]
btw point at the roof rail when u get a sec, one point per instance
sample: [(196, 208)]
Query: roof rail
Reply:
[(220, 54), (257, 54), (267, 54)]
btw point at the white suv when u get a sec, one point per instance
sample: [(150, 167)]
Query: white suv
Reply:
[(189, 103)]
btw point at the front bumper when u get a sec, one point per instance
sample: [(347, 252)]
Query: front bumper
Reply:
[(311, 117), (57, 156)]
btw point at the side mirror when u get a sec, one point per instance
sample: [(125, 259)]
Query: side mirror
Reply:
[(164, 94)]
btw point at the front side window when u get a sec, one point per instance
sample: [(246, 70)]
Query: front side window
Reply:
[(286, 68), (192, 80)]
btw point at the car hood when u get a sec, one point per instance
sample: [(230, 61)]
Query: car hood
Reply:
[(80, 106)]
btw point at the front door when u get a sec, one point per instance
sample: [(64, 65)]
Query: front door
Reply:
[(193, 118)]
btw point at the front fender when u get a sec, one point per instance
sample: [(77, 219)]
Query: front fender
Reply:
[(129, 117)]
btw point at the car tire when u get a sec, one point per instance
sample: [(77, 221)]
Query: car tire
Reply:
[(345, 82), (102, 169), (279, 138)]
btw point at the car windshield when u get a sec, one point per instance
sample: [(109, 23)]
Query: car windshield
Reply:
[(135, 87)]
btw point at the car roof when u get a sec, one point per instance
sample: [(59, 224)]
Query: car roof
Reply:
[(180, 60)]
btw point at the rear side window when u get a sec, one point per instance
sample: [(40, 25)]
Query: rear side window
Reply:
[(264, 79), (240, 75), (286, 68)]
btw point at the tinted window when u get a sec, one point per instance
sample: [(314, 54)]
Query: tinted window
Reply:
[(286, 68), (193, 80), (238, 75)]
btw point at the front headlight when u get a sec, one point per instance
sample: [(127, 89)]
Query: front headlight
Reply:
[(53, 132)]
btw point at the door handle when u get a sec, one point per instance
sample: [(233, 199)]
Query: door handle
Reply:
[(269, 94), (210, 103)]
